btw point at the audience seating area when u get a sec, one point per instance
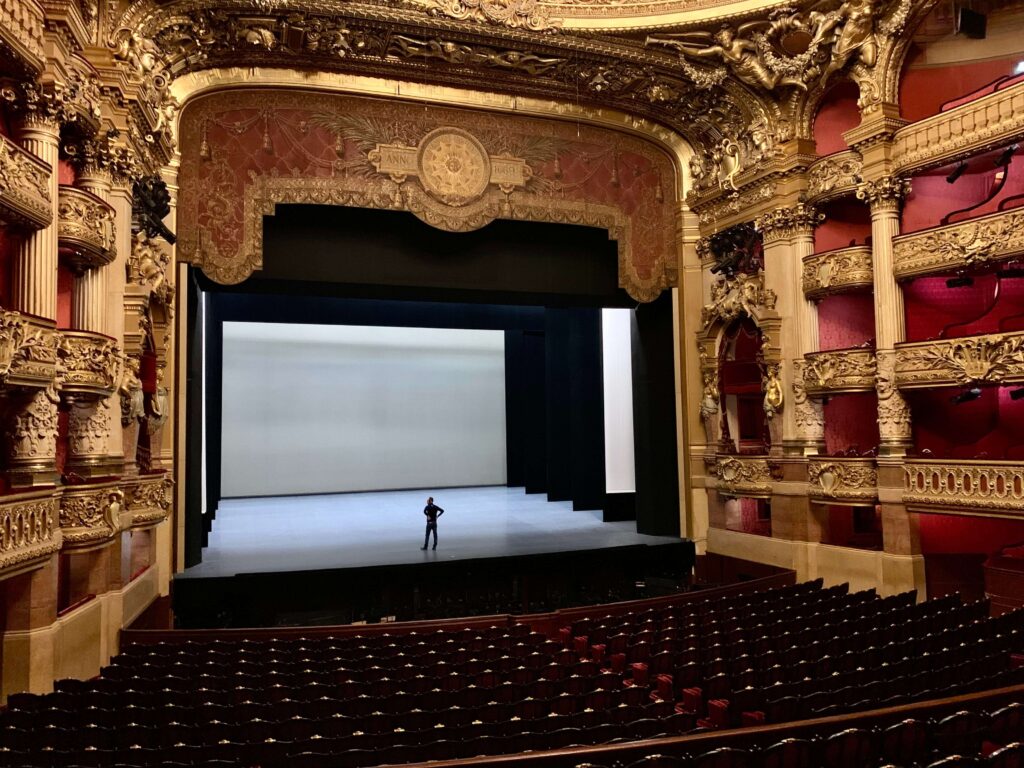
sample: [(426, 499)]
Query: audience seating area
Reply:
[(622, 674)]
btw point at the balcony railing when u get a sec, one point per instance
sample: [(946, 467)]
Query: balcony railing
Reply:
[(995, 486), (148, 499), (748, 476), (838, 371), (977, 126), (29, 530), (996, 358), (24, 186), (90, 514), (842, 480), (838, 271), (28, 350), (964, 245), (85, 228), (833, 176), (91, 363)]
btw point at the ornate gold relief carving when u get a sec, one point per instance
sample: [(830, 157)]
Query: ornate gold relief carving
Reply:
[(845, 370), (886, 193), (29, 532), (771, 384), (743, 295), (843, 480), (148, 499), (32, 430), (85, 228), (90, 364), (90, 514), (838, 271), (969, 129), (808, 414), (996, 358), (784, 223), (24, 187), (958, 246), (893, 411), (147, 267), (28, 350), (515, 14), (56, 103), (833, 176), (971, 486), (748, 476), (21, 31), (738, 206)]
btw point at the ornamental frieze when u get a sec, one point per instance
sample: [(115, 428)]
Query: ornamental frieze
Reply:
[(959, 246), (90, 514), (24, 187), (853, 480), (28, 350), (85, 229), (838, 271), (90, 364), (29, 531), (997, 358), (21, 32), (148, 499), (843, 370), (834, 175), (743, 295), (724, 211), (748, 476), (969, 486), (989, 122)]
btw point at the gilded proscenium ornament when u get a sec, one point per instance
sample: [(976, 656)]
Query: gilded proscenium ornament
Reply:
[(748, 476), (784, 223), (743, 295), (839, 271), (90, 514), (147, 267), (464, 55), (718, 212), (85, 229), (964, 245), (148, 499), (837, 371), (996, 358), (964, 486), (851, 480), (989, 122), (833, 176), (886, 193), (28, 350), (90, 364), (515, 14), (24, 187), (29, 530)]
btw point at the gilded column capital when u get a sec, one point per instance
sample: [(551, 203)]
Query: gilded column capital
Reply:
[(52, 105), (785, 223), (105, 158), (884, 194)]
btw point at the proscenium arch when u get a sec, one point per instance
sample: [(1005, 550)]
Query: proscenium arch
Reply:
[(190, 87)]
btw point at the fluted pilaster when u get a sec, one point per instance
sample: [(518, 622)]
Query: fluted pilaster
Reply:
[(34, 273)]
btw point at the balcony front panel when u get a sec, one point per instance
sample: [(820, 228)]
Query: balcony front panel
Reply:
[(85, 228), (28, 350), (842, 480), (91, 363), (838, 371), (90, 515), (148, 499), (969, 129), (29, 532), (997, 358), (969, 486), (24, 187), (748, 476), (843, 270), (964, 245), (833, 176)]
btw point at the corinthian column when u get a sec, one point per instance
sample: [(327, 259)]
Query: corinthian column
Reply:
[(885, 196)]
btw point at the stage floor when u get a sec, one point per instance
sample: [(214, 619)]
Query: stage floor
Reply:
[(353, 530)]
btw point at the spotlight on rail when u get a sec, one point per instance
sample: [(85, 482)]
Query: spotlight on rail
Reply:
[(966, 396), (1017, 394), (957, 172), (960, 281)]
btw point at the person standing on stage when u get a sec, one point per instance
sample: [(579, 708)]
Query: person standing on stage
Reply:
[(431, 512)]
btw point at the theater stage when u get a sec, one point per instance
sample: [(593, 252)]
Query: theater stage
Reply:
[(345, 557)]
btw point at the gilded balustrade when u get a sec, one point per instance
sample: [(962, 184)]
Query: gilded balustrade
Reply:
[(28, 350), (996, 358), (24, 186), (148, 499), (970, 486), (838, 271), (748, 476), (29, 530), (964, 245), (85, 228), (842, 480), (91, 364), (833, 176), (838, 371), (969, 129)]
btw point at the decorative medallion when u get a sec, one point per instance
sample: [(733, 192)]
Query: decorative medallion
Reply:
[(453, 166)]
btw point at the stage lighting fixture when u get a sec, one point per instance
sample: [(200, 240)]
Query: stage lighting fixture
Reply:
[(960, 281), (966, 396), (957, 172), (971, 24), (1004, 159), (1017, 394), (1010, 273)]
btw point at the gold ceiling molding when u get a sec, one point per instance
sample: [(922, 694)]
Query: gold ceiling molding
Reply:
[(842, 480), (980, 487), (964, 245), (842, 270), (996, 358)]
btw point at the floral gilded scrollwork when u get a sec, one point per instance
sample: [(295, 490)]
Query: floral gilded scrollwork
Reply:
[(958, 246), (784, 223), (89, 514), (516, 14), (886, 193), (743, 295), (838, 271), (149, 499), (32, 430), (893, 411), (853, 480), (743, 476), (994, 359), (965, 485), (24, 187), (807, 413), (29, 532), (90, 363), (833, 175), (85, 227), (845, 370)]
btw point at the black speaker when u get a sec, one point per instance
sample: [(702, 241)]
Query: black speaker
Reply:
[(971, 23)]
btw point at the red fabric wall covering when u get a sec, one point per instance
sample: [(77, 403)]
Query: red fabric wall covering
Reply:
[(845, 220), (745, 516), (838, 113), (65, 287), (935, 310), (932, 197), (851, 421), (857, 527), (923, 90), (9, 242), (65, 172), (959, 534), (991, 427), (846, 321)]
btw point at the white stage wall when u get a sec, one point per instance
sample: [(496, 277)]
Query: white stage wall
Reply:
[(333, 408), (617, 364)]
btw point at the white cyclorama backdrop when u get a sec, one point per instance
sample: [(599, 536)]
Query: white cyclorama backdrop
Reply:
[(335, 408), (617, 364)]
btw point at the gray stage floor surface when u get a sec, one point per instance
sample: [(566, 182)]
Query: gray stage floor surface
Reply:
[(351, 530)]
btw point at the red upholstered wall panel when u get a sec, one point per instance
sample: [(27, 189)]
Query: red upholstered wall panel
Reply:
[(923, 90), (845, 220), (931, 305), (990, 427), (65, 172), (851, 421), (65, 287), (948, 534), (9, 242), (933, 197), (846, 321), (838, 113)]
